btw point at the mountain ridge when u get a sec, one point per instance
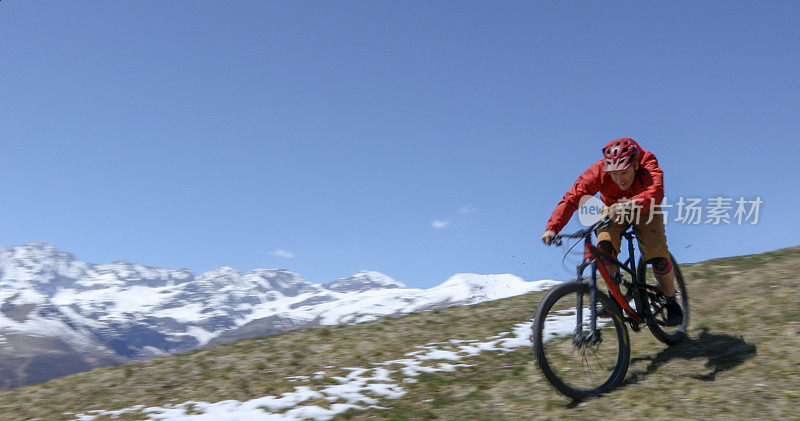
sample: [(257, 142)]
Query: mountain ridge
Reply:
[(124, 311)]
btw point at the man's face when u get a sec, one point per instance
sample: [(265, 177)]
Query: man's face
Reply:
[(624, 178)]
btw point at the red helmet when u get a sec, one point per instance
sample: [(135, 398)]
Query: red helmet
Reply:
[(620, 154)]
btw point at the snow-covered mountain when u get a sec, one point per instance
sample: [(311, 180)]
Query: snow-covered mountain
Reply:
[(59, 315)]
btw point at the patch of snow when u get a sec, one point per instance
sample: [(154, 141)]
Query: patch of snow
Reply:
[(155, 351), (202, 335), (191, 312), (24, 296), (360, 389)]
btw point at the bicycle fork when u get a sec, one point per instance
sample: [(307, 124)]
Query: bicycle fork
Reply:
[(579, 336)]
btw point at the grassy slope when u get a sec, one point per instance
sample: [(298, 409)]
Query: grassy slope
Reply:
[(742, 361)]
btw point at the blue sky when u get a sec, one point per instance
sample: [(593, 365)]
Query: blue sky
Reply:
[(197, 134)]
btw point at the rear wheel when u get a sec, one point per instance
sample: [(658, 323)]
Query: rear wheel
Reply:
[(656, 311), (585, 363)]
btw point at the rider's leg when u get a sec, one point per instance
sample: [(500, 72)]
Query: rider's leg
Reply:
[(653, 245), (665, 275), (607, 247), (609, 240)]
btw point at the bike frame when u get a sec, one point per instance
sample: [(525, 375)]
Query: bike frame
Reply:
[(591, 256)]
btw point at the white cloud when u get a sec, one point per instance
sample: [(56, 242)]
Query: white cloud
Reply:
[(467, 209), (440, 223), (282, 253)]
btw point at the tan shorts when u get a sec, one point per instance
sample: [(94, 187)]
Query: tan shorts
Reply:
[(651, 237)]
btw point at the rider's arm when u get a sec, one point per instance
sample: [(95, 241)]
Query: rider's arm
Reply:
[(653, 182), (587, 184)]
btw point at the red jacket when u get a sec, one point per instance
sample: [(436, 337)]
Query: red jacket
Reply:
[(649, 184)]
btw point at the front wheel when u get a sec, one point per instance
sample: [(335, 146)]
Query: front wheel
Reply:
[(657, 314), (577, 362)]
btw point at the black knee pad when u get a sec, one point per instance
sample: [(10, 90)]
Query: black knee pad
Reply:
[(661, 266)]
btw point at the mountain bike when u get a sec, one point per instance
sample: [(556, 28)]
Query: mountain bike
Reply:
[(580, 339)]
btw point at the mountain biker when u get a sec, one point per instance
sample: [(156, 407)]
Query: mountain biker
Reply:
[(631, 186)]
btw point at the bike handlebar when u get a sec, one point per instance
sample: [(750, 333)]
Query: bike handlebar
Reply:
[(602, 223)]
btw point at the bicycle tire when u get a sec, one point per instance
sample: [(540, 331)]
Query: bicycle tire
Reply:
[(667, 335), (549, 363)]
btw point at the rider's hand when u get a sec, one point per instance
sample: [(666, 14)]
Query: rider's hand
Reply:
[(547, 237), (617, 211)]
